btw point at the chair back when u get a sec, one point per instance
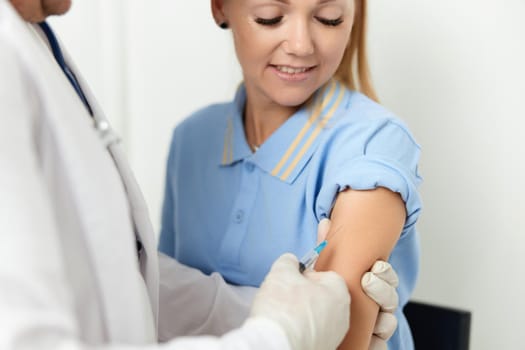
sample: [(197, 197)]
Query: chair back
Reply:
[(438, 328)]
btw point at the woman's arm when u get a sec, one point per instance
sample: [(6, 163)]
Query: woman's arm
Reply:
[(367, 225)]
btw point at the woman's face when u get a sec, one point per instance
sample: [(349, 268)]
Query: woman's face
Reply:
[(287, 48)]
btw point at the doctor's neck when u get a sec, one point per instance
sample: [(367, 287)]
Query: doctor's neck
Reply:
[(34, 11)]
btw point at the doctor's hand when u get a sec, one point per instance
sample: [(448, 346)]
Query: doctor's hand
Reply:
[(380, 285), (313, 309)]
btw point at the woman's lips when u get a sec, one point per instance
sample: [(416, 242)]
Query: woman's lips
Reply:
[(293, 74)]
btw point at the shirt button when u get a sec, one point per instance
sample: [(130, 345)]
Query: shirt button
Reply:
[(249, 167), (239, 216)]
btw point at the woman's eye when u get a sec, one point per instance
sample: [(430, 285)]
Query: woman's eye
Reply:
[(269, 21), (330, 22)]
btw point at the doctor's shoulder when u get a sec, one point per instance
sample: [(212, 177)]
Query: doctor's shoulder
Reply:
[(18, 93), (12, 55)]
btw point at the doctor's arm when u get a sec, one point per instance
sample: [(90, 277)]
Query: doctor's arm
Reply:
[(211, 305), (217, 307)]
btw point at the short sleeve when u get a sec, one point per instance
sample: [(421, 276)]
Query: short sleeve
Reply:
[(387, 157)]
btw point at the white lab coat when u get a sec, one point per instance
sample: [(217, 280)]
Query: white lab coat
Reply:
[(70, 211)]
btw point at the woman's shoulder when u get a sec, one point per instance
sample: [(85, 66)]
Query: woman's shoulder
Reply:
[(205, 126), (366, 119), (206, 118)]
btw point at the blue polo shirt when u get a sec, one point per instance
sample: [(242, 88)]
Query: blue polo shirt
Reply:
[(230, 210)]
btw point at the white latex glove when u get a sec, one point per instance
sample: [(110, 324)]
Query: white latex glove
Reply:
[(312, 308), (380, 284)]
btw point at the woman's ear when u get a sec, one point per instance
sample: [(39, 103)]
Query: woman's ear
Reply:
[(218, 12)]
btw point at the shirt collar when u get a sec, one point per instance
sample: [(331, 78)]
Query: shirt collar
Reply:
[(235, 145), (285, 153)]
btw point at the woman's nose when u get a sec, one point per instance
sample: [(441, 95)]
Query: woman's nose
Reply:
[(299, 41)]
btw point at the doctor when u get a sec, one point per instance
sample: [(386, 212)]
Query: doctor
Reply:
[(78, 262)]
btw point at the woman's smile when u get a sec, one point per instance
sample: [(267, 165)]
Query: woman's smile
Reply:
[(293, 74)]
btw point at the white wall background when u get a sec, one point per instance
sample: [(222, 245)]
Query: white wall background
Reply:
[(454, 70)]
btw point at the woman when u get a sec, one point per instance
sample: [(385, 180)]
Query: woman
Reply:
[(297, 144)]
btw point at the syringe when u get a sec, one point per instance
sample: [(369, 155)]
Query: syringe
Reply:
[(310, 258)]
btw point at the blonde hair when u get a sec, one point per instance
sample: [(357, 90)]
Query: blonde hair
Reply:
[(354, 71)]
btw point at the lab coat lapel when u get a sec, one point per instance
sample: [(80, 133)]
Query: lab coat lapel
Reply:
[(107, 230), (138, 208), (143, 228)]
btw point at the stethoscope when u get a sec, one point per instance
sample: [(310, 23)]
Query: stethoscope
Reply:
[(59, 57), (106, 133), (101, 125)]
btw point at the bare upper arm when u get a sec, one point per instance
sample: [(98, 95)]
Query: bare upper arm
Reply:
[(367, 225)]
